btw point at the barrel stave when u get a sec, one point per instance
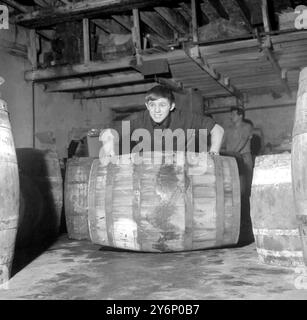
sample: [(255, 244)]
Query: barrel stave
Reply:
[(76, 197)]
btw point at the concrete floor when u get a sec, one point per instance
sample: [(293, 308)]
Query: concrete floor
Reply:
[(81, 270)]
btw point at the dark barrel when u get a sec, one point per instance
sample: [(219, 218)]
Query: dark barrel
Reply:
[(41, 196)]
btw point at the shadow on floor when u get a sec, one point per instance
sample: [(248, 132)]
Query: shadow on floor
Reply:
[(246, 236), (24, 256)]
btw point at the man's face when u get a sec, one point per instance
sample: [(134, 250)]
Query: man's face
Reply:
[(234, 116), (159, 109)]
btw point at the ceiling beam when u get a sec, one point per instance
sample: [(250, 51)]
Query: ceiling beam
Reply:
[(70, 85), (43, 33), (114, 92), (187, 11), (77, 70), (204, 18), (101, 24), (246, 14), (157, 24), (174, 19), (172, 84), (209, 10), (265, 16), (84, 9), (220, 79), (86, 41), (110, 26), (14, 48), (216, 4), (194, 21), (124, 21), (184, 11), (283, 81), (15, 5), (136, 35)]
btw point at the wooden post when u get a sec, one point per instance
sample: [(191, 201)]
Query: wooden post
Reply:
[(194, 21), (32, 48), (86, 41), (136, 35), (265, 16)]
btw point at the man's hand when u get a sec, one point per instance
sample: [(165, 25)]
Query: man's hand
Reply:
[(214, 153), (93, 132), (217, 134), (107, 150)]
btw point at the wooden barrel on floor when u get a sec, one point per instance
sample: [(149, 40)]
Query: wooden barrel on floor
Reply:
[(299, 159), (76, 197), (165, 207), (273, 212), (40, 176), (9, 195)]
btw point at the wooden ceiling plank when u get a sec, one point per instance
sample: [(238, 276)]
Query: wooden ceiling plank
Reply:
[(125, 21), (78, 70), (175, 19), (86, 40), (194, 21), (114, 92), (186, 10), (265, 16), (110, 26), (246, 15), (270, 55), (222, 81), (157, 24), (216, 4), (209, 10), (16, 5), (101, 24), (70, 85), (82, 9), (136, 35)]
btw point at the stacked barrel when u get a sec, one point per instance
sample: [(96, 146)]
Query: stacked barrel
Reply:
[(299, 160), (279, 195), (9, 195), (273, 212)]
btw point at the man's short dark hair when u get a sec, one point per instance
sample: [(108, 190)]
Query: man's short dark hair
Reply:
[(158, 92), (240, 111)]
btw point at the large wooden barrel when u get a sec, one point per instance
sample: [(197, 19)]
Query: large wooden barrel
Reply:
[(299, 159), (9, 195), (76, 200), (273, 212), (164, 207), (41, 196)]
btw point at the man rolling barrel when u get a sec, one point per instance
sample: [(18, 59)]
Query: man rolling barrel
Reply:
[(161, 114)]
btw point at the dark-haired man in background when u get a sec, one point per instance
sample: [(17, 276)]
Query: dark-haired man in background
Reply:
[(237, 139)]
